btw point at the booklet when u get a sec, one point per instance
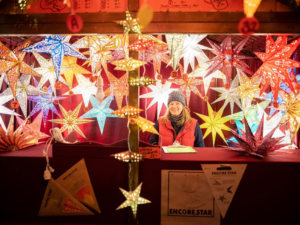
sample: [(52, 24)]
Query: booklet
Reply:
[(178, 149)]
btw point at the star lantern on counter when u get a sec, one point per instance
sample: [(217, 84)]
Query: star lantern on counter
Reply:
[(175, 45), (276, 61), (141, 81), (141, 44), (71, 62), (57, 46), (128, 64), (3, 110), (226, 58), (23, 90), (130, 25), (191, 49), (128, 156), (227, 96), (127, 111), (100, 111), (118, 87), (160, 93), (11, 63), (11, 140), (47, 71), (145, 125), (248, 89), (133, 199), (256, 145), (34, 128), (71, 121), (44, 104), (84, 88)]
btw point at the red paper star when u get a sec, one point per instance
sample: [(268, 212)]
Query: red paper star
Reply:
[(158, 54)]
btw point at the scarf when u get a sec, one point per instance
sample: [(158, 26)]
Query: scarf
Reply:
[(174, 120)]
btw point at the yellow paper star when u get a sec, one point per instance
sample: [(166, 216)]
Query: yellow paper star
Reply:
[(127, 64), (145, 125), (133, 199), (130, 25), (214, 123), (71, 62), (248, 89), (71, 120)]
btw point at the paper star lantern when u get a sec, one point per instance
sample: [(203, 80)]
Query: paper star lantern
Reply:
[(34, 128), (276, 61), (157, 54), (160, 93), (191, 49), (130, 25), (141, 44), (118, 88), (128, 156), (22, 91), (116, 55), (84, 88), (175, 45), (256, 145), (227, 58), (141, 81), (100, 111), (4, 110), (11, 140), (127, 111), (127, 64), (58, 46), (240, 126), (98, 59), (227, 96), (71, 62), (133, 199), (248, 89), (47, 71), (13, 64), (117, 42), (214, 123), (71, 121), (45, 103), (145, 125)]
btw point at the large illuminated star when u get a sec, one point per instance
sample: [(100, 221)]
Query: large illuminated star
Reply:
[(133, 199), (22, 91), (214, 123), (58, 46), (4, 110), (13, 65), (276, 61), (47, 71), (160, 94), (45, 103), (248, 89), (227, 96), (71, 121), (119, 88), (191, 49), (100, 111), (85, 88), (157, 54)]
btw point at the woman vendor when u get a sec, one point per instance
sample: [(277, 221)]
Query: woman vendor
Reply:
[(177, 125)]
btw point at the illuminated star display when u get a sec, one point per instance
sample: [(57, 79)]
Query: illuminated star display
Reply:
[(157, 54), (71, 121), (100, 111), (175, 45), (130, 25), (4, 110), (145, 125), (127, 64)]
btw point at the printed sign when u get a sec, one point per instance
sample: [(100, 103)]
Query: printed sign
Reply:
[(149, 152)]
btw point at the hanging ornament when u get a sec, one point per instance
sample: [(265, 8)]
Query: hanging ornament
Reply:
[(127, 111), (127, 64), (175, 45), (141, 44), (141, 81), (128, 156), (145, 125), (130, 25)]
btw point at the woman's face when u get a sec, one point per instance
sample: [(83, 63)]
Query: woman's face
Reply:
[(175, 108)]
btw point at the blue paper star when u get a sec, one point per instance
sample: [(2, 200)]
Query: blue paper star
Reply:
[(240, 126), (57, 46), (100, 111)]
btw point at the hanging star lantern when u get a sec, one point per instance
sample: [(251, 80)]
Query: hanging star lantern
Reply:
[(157, 54), (160, 93), (84, 88), (175, 45), (48, 72), (128, 64), (145, 125), (4, 110), (116, 55), (22, 91), (227, 96), (191, 49), (71, 121), (100, 111), (141, 44), (117, 42), (214, 123), (143, 81), (44, 104), (127, 111), (118, 87), (98, 59), (248, 89), (71, 62), (13, 65), (128, 156), (130, 25), (227, 58), (276, 61), (34, 128), (58, 46)]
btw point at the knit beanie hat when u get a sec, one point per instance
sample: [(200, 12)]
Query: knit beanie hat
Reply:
[(176, 96)]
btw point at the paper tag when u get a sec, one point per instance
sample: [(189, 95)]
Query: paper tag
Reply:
[(149, 152)]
